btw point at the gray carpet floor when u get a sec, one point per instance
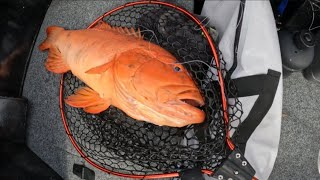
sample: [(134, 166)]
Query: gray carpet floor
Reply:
[(299, 144), (300, 136)]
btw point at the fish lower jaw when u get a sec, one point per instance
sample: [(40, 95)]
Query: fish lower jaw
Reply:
[(159, 116), (172, 121), (167, 115)]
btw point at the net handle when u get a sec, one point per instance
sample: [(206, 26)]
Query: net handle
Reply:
[(221, 83)]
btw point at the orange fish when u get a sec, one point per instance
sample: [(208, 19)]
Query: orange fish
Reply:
[(122, 69)]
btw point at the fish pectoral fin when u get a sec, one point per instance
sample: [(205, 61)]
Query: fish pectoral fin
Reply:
[(89, 100), (100, 69)]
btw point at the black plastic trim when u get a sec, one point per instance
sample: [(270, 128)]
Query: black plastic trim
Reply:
[(235, 167)]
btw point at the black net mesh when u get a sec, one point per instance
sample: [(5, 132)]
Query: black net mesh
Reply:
[(121, 144)]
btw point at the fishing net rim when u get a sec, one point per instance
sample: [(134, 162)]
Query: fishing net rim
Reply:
[(221, 83)]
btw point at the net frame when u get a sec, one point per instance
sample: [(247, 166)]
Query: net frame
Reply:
[(224, 100)]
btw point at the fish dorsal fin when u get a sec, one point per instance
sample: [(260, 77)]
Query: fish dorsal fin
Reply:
[(102, 26), (123, 30), (130, 32)]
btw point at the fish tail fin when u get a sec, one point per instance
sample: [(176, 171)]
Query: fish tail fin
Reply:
[(87, 99), (51, 35), (55, 63)]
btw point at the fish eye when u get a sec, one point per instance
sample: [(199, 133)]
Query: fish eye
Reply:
[(177, 68)]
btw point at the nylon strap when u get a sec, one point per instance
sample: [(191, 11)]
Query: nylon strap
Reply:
[(266, 87)]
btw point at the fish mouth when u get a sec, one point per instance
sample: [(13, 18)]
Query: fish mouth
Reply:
[(192, 102), (185, 107), (191, 97)]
